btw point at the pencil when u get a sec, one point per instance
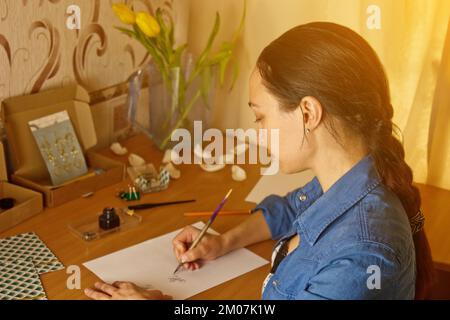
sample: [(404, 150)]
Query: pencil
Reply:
[(205, 228), (222, 213)]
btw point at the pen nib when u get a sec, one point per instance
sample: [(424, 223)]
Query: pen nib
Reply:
[(178, 268)]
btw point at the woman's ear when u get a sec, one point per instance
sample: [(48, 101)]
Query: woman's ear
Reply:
[(312, 113)]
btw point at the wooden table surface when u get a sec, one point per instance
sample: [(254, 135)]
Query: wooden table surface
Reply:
[(208, 189), (436, 208)]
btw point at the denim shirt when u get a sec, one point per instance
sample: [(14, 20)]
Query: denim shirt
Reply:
[(355, 240)]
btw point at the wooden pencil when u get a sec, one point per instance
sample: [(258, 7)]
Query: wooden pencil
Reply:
[(222, 213)]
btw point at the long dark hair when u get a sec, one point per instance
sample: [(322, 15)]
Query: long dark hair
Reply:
[(339, 68)]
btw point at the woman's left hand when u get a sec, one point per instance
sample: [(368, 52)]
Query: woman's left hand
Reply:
[(123, 291)]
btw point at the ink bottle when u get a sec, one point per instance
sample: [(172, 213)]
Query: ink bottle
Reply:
[(109, 219)]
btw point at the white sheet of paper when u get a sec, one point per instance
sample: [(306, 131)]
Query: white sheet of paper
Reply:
[(279, 184), (151, 264)]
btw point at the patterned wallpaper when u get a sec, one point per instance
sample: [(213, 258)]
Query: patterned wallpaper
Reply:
[(38, 51)]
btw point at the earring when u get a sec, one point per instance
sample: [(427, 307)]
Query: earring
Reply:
[(308, 131)]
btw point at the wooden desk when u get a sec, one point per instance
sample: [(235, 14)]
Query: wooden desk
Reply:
[(436, 208), (208, 189)]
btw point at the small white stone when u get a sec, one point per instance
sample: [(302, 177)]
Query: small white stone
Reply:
[(167, 156), (170, 156), (117, 149), (238, 174), (174, 172), (212, 167), (135, 160)]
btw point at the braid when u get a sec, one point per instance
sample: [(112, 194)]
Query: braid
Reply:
[(389, 158)]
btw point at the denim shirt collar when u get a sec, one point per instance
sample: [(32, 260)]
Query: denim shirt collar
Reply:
[(325, 208)]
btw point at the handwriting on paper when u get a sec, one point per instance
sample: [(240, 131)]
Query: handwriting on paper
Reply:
[(176, 278)]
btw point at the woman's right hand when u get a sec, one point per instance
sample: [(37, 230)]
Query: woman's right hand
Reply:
[(209, 248)]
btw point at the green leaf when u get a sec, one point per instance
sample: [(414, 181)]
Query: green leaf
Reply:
[(171, 29), (166, 39), (238, 32), (222, 69), (128, 32), (176, 58), (210, 42), (171, 33), (224, 52), (206, 78)]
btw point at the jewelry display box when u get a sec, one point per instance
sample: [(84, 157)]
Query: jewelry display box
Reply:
[(27, 203), (29, 167)]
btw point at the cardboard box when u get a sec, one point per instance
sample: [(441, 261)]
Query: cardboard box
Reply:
[(28, 203), (107, 116), (113, 172), (110, 114), (18, 111), (29, 167)]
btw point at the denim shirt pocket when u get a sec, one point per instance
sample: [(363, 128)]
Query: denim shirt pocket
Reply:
[(291, 277)]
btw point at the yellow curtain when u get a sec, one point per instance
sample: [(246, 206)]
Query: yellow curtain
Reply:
[(439, 140), (411, 46), (410, 43)]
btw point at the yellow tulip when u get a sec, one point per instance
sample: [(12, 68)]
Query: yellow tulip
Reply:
[(148, 24), (124, 13)]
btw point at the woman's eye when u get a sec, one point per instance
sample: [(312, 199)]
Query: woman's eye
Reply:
[(258, 120)]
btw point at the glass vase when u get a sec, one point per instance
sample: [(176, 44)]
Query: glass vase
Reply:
[(157, 108)]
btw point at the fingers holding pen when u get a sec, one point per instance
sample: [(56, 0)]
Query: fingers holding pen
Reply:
[(181, 245), (180, 249)]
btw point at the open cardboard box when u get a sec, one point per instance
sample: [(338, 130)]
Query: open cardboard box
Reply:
[(29, 167), (112, 172), (28, 203)]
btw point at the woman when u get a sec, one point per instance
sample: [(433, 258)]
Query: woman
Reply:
[(346, 234)]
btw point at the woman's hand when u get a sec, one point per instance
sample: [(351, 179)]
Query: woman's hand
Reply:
[(123, 291), (209, 248)]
